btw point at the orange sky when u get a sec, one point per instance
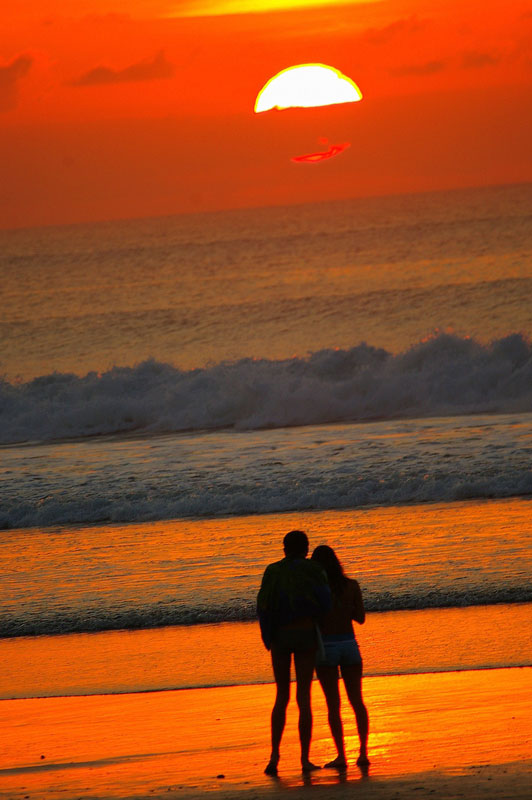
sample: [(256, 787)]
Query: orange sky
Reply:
[(113, 109)]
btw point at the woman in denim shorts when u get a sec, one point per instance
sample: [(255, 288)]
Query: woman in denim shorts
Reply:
[(341, 654)]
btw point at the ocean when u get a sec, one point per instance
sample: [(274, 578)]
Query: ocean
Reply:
[(179, 392)]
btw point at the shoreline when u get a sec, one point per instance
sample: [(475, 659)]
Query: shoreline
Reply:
[(211, 655), (440, 734), (122, 693)]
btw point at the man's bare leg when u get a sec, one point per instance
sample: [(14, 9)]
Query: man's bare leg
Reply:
[(281, 671), (304, 664)]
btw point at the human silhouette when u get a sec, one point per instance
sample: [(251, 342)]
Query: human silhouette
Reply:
[(341, 652), (293, 593)]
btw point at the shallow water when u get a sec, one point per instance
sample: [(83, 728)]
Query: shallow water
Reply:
[(228, 654), (364, 371), (146, 575), (144, 478)]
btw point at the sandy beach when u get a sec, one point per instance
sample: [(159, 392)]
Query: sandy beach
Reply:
[(442, 735)]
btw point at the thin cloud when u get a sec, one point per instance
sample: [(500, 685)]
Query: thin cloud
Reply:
[(428, 68), (10, 75), (478, 60), (401, 28), (156, 69)]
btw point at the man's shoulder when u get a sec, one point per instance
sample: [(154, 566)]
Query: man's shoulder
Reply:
[(301, 566), (313, 569), (271, 571), (315, 566), (274, 566)]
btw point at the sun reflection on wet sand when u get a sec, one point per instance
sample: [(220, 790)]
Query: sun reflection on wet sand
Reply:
[(147, 742)]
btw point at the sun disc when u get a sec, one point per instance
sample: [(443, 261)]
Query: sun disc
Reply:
[(307, 86)]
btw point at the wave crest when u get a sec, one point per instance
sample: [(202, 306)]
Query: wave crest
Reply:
[(444, 375)]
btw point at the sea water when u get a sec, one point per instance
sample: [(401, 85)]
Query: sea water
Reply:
[(178, 392)]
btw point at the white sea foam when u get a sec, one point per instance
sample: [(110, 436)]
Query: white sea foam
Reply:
[(218, 473), (445, 375)]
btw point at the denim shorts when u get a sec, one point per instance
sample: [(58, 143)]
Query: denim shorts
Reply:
[(340, 652)]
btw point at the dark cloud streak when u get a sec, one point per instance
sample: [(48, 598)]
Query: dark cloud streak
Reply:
[(10, 75), (156, 69), (399, 28), (477, 60), (428, 68)]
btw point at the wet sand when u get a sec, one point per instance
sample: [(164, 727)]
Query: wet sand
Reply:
[(443, 735), (221, 654)]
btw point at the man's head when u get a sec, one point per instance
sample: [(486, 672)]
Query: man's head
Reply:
[(295, 544)]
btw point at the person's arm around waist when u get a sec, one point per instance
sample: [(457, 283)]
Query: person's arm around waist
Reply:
[(358, 613)]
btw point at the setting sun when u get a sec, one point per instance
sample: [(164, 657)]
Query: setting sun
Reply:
[(307, 86)]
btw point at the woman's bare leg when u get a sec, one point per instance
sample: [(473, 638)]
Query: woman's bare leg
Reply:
[(328, 677), (352, 677)]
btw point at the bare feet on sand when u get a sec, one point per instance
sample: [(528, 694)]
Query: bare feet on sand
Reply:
[(341, 763), (271, 768), (308, 766), (338, 763)]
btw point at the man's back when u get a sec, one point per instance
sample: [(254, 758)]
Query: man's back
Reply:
[(293, 589)]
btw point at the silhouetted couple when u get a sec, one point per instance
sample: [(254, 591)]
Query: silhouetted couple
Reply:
[(306, 607)]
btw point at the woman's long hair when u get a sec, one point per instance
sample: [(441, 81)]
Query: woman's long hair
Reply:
[(328, 559)]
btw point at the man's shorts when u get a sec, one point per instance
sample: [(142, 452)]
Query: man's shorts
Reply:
[(296, 640)]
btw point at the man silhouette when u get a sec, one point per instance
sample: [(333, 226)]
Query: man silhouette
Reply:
[(293, 593)]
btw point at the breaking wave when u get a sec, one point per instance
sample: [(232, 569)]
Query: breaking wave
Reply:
[(444, 375), (158, 615)]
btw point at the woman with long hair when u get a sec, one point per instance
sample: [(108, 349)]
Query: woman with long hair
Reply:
[(341, 652)]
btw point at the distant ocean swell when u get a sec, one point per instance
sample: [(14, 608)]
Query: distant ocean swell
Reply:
[(444, 375), (162, 614)]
